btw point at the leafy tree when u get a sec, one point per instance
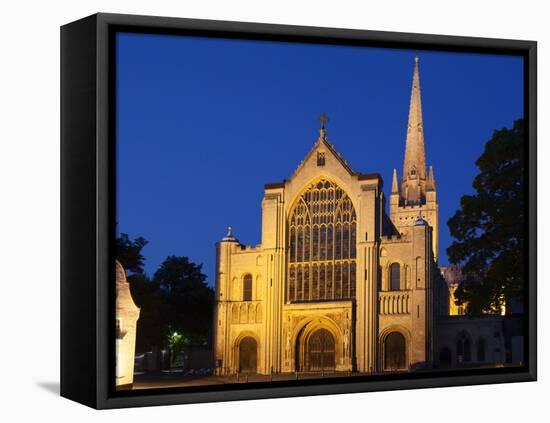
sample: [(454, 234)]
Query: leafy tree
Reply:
[(151, 300), (189, 301), (489, 227), (128, 252)]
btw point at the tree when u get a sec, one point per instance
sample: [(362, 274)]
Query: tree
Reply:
[(150, 299), (128, 252), (189, 301), (489, 227)]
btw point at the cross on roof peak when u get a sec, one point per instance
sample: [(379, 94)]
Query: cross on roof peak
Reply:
[(323, 119)]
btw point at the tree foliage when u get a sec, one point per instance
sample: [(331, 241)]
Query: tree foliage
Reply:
[(190, 300), (489, 227), (128, 253)]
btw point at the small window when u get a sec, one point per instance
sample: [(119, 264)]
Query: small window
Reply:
[(463, 349), (481, 349), (247, 288), (395, 277), (320, 158)]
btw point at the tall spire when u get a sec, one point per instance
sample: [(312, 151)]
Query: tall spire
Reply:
[(414, 165), (430, 185), (394, 186)]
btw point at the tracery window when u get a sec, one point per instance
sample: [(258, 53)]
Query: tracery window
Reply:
[(322, 245), (247, 288)]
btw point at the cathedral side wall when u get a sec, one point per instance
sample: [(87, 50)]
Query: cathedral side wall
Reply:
[(485, 333), (238, 318), (406, 310)]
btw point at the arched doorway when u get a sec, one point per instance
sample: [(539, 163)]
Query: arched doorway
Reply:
[(248, 352), (445, 357), (394, 352), (320, 351)]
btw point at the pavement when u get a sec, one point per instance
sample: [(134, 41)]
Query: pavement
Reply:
[(166, 379)]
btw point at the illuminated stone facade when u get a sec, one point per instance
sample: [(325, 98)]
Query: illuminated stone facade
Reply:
[(127, 315), (336, 284)]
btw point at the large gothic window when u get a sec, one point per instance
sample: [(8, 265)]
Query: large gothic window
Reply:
[(322, 245)]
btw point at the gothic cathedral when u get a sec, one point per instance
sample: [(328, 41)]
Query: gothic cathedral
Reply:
[(336, 284)]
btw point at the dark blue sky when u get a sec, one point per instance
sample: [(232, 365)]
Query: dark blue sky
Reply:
[(203, 124)]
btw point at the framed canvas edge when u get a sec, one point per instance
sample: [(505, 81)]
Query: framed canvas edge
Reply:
[(104, 130)]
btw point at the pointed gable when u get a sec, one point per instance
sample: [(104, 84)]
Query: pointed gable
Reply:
[(323, 151)]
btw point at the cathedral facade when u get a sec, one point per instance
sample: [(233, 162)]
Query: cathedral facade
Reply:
[(337, 283)]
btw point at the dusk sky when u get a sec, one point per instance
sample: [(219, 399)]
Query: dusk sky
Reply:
[(204, 123)]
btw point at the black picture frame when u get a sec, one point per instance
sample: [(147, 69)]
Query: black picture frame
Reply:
[(88, 198)]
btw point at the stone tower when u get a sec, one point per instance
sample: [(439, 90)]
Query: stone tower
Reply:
[(416, 195)]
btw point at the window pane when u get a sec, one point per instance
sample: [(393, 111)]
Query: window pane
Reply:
[(247, 288), (315, 254), (315, 283), (322, 282), (306, 282), (322, 242), (345, 280), (292, 245), (299, 290), (338, 242), (395, 283), (291, 283)]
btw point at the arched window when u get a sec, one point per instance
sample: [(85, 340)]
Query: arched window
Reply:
[(247, 288), (480, 349), (394, 352), (463, 348), (395, 277), (322, 245)]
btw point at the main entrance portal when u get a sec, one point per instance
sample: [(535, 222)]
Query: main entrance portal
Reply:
[(320, 351)]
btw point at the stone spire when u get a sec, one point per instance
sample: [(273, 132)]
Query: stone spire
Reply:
[(414, 166), (394, 186), (430, 184)]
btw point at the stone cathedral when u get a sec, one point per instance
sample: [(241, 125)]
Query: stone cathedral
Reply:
[(337, 283)]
